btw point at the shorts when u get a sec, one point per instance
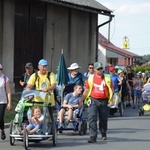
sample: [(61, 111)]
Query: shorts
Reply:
[(66, 108), (32, 126), (138, 93)]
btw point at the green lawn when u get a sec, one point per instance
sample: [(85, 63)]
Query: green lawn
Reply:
[(9, 115)]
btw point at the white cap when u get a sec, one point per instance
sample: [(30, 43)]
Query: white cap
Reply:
[(116, 67)]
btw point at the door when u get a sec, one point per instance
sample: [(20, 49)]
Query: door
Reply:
[(29, 33)]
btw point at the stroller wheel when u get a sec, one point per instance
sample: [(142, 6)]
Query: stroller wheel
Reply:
[(54, 134), (121, 109), (84, 127), (12, 139), (142, 112), (25, 139), (80, 128)]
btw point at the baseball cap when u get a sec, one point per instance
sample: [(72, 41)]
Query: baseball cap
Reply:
[(116, 67), (98, 65), (111, 69), (1, 67), (43, 62), (29, 65), (120, 71)]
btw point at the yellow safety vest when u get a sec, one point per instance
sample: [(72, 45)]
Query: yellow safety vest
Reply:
[(108, 83)]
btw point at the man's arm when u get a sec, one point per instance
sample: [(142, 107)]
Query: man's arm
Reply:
[(83, 97)]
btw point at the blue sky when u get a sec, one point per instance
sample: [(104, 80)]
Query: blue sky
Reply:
[(132, 19)]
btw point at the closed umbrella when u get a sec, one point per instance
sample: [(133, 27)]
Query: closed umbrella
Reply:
[(62, 74)]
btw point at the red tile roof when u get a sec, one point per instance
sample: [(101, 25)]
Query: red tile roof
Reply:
[(105, 43)]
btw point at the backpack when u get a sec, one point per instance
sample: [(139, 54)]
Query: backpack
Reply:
[(48, 77)]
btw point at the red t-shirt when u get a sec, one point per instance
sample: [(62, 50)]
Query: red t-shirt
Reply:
[(100, 89)]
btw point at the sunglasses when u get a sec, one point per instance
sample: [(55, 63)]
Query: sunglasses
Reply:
[(91, 67), (100, 68)]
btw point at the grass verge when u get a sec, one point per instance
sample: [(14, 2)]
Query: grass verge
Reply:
[(9, 115)]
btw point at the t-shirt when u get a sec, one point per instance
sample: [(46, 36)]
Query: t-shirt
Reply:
[(71, 99), (130, 77), (42, 81), (115, 80), (3, 98), (100, 89), (40, 119)]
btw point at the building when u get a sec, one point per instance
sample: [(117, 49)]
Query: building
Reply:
[(109, 53), (35, 29)]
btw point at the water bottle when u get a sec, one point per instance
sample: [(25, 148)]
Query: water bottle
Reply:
[(29, 113)]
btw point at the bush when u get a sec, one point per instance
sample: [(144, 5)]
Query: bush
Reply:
[(9, 115), (142, 68)]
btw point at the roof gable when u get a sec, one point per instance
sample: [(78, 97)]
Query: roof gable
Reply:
[(104, 42)]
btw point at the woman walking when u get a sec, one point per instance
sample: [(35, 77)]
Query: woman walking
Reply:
[(5, 100)]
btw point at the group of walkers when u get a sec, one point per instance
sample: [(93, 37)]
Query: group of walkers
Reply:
[(97, 88)]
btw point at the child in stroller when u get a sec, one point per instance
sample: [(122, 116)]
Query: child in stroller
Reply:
[(35, 122), (41, 126), (70, 113), (145, 105)]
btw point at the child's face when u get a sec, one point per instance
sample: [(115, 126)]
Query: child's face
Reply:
[(37, 113)]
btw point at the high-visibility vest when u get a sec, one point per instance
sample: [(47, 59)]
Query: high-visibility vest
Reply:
[(107, 81)]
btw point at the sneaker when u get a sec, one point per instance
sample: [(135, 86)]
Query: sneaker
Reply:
[(133, 106), (129, 105), (104, 137), (3, 135), (92, 139), (60, 125), (67, 122)]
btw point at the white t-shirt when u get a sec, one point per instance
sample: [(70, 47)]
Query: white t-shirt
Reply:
[(40, 119), (3, 98)]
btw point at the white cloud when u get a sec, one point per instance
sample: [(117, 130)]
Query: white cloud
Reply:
[(127, 7), (132, 20), (142, 8)]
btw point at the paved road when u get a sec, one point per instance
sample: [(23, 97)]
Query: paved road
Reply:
[(131, 132)]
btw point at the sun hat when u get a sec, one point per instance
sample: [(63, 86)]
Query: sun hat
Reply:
[(73, 66), (111, 69), (1, 67), (120, 71), (98, 65), (43, 62), (29, 65)]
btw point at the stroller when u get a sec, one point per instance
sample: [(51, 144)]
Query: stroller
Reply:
[(78, 122), (117, 105), (145, 104), (48, 128)]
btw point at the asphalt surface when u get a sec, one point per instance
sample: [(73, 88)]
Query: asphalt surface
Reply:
[(130, 132)]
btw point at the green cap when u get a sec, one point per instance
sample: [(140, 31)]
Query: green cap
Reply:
[(119, 71), (98, 65)]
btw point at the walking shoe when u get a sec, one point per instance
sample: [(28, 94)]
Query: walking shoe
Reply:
[(3, 135), (60, 125), (104, 137), (92, 139), (67, 122)]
